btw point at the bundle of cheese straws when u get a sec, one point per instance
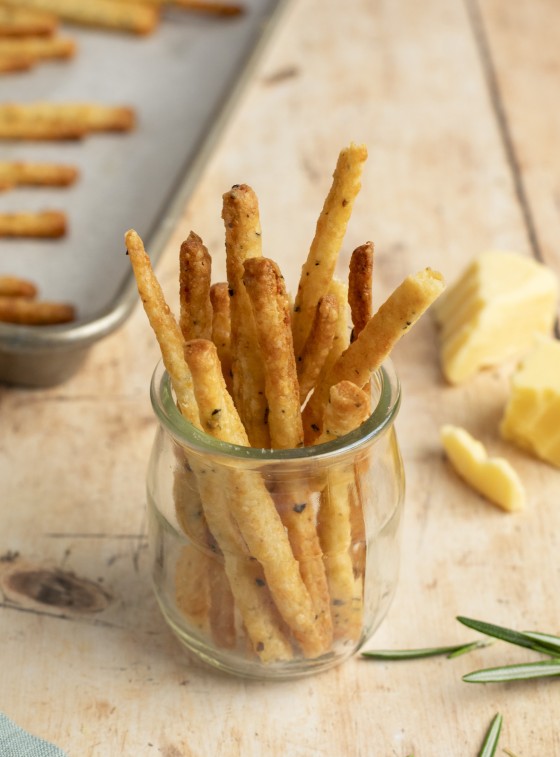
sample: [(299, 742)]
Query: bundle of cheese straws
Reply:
[(249, 368)]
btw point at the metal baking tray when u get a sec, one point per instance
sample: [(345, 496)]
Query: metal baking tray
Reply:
[(182, 81)]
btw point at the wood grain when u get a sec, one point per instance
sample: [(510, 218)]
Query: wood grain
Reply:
[(407, 79)]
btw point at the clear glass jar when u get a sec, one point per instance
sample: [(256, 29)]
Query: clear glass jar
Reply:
[(234, 584)]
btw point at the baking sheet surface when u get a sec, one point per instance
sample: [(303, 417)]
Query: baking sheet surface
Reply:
[(178, 80)]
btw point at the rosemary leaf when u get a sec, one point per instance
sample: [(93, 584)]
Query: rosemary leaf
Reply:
[(491, 739), (413, 654), (518, 672), (548, 644), (505, 634)]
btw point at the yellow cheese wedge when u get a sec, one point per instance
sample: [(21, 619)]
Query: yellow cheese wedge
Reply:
[(532, 415), (493, 477), (493, 311)]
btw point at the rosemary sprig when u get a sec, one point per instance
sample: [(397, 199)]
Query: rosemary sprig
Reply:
[(536, 641), (518, 672), (491, 739)]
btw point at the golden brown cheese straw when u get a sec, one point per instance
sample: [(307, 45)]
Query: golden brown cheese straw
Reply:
[(393, 319), (245, 575), (192, 588), (19, 22), (217, 413), (45, 224), (208, 6), (220, 420), (135, 17), (91, 116), (222, 606), (267, 293), (249, 501), (195, 270), (243, 241), (13, 63), (192, 585), (36, 174), (166, 328), (39, 130), (360, 287), (319, 267), (348, 407), (61, 120), (29, 312), (13, 286), (38, 48), (341, 339), (221, 328), (318, 345), (204, 6)]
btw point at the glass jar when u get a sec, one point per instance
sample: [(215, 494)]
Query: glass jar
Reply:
[(275, 563)]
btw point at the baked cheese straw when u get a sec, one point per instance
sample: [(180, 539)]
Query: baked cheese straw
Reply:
[(208, 6), (267, 293), (195, 269), (221, 328), (135, 17), (13, 63), (243, 240), (359, 287), (318, 345), (164, 325), (19, 22), (222, 607), (28, 312), (204, 6), (13, 286), (43, 224), (14, 173), (251, 504), (38, 48), (14, 128), (81, 117), (341, 339), (192, 587), (219, 418), (201, 587), (319, 267), (364, 356), (61, 120), (245, 575), (348, 407)]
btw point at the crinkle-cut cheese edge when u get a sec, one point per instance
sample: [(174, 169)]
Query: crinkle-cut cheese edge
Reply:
[(492, 477)]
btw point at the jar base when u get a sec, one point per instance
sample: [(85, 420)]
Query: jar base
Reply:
[(254, 669)]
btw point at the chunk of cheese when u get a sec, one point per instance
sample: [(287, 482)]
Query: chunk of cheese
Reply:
[(493, 311), (532, 414), (493, 477)]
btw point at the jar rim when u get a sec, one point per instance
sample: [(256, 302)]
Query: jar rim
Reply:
[(381, 418)]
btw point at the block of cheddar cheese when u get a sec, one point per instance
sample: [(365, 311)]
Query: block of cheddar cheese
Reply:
[(532, 415), (493, 311)]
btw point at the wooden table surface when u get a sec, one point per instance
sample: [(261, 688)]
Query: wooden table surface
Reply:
[(457, 103)]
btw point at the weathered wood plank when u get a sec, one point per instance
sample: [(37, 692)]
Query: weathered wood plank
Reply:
[(522, 57)]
